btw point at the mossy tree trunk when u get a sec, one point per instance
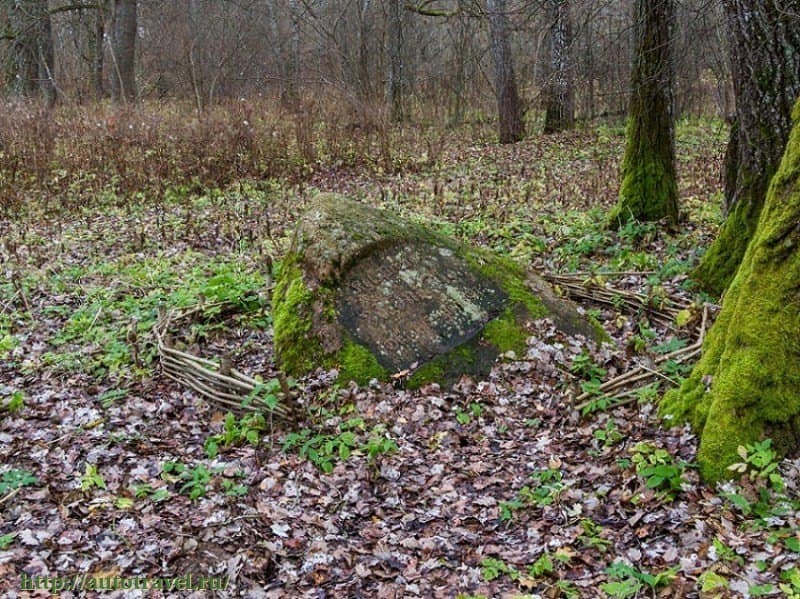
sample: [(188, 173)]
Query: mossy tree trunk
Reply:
[(511, 124), (649, 190), (560, 92), (765, 64), (746, 387)]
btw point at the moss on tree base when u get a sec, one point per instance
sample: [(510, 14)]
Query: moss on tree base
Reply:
[(718, 265), (746, 387)]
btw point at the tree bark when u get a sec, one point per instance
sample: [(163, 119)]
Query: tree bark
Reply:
[(511, 126), (649, 190), (764, 44), (33, 60), (123, 76), (560, 92), (96, 44), (395, 88), (460, 56), (46, 59), (746, 386)]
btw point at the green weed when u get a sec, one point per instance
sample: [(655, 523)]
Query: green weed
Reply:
[(493, 568), (15, 479), (92, 478), (658, 469), (626, 581)]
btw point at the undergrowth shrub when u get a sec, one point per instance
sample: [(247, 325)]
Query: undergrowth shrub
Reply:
[(77, 153)]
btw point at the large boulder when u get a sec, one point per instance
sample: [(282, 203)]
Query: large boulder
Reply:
[(373, 295)]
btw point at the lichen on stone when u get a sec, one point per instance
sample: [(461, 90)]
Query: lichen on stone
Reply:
[(371, 294)]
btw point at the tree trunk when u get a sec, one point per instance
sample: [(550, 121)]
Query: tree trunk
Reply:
[(746, 387), (460, 56), (649, 190), (46, 59), (509, 106), (560, 92), (395, 88), (765, 64), (32, 60), (96, 45), (290, 92), (123, 77)]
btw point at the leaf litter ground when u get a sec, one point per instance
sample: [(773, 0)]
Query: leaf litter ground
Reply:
[(497, 488)]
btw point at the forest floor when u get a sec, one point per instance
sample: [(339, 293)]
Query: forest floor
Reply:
[(493, 488)]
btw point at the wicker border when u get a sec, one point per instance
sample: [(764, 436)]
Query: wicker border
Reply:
[(223, 386)]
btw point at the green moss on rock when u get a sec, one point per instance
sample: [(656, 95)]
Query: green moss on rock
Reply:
[(317, 326), (292, 302), (746, 386), (506, 333), (359, 364)]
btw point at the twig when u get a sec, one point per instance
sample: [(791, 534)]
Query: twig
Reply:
[(9, 495), (220, 384), (643, 372)]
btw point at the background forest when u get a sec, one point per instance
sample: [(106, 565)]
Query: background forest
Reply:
[(154, 160)]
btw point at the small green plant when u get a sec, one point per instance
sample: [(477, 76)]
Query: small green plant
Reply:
[(195, 480), (507, 508), (626, 581), (725, 553), (324, 450), (790, 583), (492, 568), (542, 566), (711, 581), (568, 589), (760, 462), (15, 479), (658, 469), (591, 536), (16, 401), (544, 490), (643, 339), (146, 491), (608, 436), (584, 367), (599, 402), (247, 429), (6, 540), (233, 489), (379, 444), (92, 478), (649, 393), (266, 393)]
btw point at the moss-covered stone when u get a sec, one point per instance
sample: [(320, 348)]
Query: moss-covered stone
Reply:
[(373, 294), (746, 386)]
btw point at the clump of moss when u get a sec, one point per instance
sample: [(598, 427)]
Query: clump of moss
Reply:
[(474, 356), (746, 387), (298, 350), (648, 192), (718, 265), (359, 364), (506, 334)]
